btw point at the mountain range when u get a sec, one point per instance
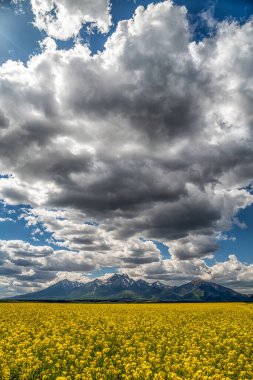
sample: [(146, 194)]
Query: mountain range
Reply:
[(120, 287)]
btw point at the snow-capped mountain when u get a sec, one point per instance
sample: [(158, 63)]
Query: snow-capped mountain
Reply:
[(121, 287)]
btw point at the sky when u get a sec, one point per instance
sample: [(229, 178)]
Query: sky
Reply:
[(126, 132)]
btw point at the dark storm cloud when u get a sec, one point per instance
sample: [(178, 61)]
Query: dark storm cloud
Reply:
[(25, 263), (70, 263), (138, 260), (36, 276), (157, 92), (15, 195), (121, 185), (194, 246), (10, 272), (172, 221), (176, 220), (4, 121)]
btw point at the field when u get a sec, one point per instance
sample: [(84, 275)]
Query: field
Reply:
[(141, 341)]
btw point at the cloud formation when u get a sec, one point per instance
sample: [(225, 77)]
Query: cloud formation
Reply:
[(63, 19), (231, 273), (151, 138)]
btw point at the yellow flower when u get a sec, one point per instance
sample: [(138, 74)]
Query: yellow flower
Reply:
[(142, 342)]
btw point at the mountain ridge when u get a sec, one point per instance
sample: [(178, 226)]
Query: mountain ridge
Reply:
[(121, 287)]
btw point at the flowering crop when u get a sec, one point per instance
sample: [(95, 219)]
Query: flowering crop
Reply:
[(126, 341)]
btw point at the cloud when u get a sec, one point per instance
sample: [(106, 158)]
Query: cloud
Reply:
[(231, 273), (193, 246), (19, 248), (33, 266), (4, 121), (3, 220), (63, 19), (82, 249), (151, 138), (89, 243)]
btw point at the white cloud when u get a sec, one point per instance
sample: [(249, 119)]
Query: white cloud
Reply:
[(231, 273), (63, 19), (3, 220), (30, 267), (23, 249)]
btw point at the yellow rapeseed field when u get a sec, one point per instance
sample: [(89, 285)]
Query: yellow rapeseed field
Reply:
[(126, 341)]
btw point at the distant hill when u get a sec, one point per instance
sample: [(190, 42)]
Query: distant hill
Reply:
[(120, 287)]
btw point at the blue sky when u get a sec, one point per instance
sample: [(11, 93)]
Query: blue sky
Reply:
[(25, 217)]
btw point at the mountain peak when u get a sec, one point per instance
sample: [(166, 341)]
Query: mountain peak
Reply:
[(198, 281), (119, 286), (119, 275), (65, 281), (121, 278), (160, 285)]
